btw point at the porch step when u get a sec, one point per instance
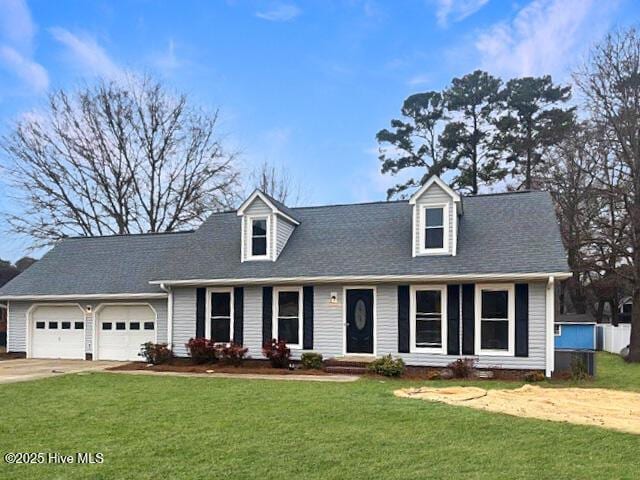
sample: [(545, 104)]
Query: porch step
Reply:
[(346, 369)]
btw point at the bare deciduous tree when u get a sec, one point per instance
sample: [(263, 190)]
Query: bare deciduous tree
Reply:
[(610, 83), (116, 158), (278, 183)]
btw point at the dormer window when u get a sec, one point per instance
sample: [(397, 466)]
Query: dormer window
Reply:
[(266, 226), (259, 237), (436, 208)]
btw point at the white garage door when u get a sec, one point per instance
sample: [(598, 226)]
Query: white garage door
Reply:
[(57, 332), (122, 329)]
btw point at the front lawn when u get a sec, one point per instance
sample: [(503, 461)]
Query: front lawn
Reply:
[(167, 427)]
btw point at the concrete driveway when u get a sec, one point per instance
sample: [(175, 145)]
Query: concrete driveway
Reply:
[(32, 369)]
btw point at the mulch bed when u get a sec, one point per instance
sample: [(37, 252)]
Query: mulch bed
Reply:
[(185, 365), (11, 356)]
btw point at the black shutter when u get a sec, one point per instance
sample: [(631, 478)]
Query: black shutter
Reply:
[(307, 318), (403, 318), (468, 319), (201, 299), (238, 315), (453, 320), (522, 320), (267, 299)]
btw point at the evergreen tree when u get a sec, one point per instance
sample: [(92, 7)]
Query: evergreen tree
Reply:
[(466, 141), (413, 142), (534, 120)]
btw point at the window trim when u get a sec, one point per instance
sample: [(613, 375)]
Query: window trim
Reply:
[(207, 327), (274, 314), (511, 315), (422, 222), (250, 220), (412, 319)]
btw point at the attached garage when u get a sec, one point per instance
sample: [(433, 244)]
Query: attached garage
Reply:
[(121, 329), (57, 331)]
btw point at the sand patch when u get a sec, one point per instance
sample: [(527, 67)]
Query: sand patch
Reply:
[(599, 407)]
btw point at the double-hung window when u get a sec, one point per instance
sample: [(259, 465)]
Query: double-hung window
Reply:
[(288, 316), (495, 313), (435, 224), (428, 325), (259, 240), (221, 312)]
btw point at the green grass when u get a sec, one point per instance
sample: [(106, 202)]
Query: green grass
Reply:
[(194, 428)]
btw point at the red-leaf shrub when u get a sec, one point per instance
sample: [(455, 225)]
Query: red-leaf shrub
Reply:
[(277, 352), (232, 354), (156, 353), (462, 367), (202, 350)]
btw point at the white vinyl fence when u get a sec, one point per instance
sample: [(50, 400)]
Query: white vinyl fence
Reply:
[(615, 338)]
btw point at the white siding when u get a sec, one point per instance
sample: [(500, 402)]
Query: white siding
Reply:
[(329, 326), (434, 194), (253, 321), (184, 318), (387, 333), (284, 231), (17, 326)]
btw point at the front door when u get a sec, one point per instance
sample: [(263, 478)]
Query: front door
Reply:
[(360, 321)]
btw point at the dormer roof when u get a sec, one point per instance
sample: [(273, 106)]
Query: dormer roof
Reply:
[(276, 206), (438, 181)]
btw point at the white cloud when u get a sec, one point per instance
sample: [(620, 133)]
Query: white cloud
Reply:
[(32, 73), (87, 54), (546, 36), (16, 51), (457, 10), (280, 12), (419, 79), (16, 24), (168, 60)]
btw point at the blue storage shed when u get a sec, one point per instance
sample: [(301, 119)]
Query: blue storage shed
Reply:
[(575, 336)]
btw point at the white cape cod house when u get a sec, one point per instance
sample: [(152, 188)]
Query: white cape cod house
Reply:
[(431, 280)]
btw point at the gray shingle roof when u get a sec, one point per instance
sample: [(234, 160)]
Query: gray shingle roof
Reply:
[(281, 206), (503, 233)]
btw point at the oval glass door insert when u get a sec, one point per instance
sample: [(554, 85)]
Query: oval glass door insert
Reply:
[(360, 314)]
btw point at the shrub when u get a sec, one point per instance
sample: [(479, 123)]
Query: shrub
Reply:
[(462, 367), (156, 353), (387, 366), (202, 350), (233, 354), (277, 352), (311, 361), (534, 377), (578, 369)]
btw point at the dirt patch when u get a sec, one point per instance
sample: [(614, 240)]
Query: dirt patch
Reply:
[(249, 367), (611, 409)]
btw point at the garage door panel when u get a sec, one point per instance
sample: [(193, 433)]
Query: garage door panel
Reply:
[(122, 329), (58, 332)]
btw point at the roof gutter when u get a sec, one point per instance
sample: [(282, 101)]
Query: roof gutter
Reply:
[(93, 296), (366, 278)]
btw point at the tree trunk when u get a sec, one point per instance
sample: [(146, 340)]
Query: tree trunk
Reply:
[(634, 343)]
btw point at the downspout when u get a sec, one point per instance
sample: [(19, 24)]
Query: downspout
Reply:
[(169, 315), (550, 315)]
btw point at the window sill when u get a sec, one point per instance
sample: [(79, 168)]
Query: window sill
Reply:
[(261, 258), (439, 251), (439, 350), (496, 353)]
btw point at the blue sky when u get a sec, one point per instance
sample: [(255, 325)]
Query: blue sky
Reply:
[(302, 84)]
